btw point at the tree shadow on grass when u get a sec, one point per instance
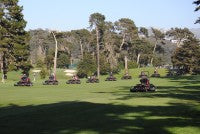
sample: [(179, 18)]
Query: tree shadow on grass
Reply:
[(175, 92), (187, 88), (189, 77), (185, 80), (77, 117), (183, 92)]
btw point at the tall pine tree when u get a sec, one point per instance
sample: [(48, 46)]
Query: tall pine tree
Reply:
[(15, 38)]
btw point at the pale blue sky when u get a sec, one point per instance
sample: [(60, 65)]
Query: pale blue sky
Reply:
[(74, 14)]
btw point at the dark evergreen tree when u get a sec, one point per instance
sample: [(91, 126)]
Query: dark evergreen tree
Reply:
[(187, 57), (63, 60), (15, 42), (86, 66)]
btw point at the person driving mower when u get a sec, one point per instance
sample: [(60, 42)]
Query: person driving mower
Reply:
[(145, 82), (74, 80), (24, 81), (144, 85), (92, 79), (155, 74), (111, 77), (24, 78), (126, 76), (51, 81)]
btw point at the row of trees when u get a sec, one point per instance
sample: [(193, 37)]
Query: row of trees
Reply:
[(108, 43), (111, 42), (108, 35), (101, 48)]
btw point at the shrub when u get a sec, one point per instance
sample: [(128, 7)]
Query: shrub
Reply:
[(86, 66), (43, 73), (132, 65)]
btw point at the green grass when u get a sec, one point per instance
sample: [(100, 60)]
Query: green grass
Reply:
[(104, 108)]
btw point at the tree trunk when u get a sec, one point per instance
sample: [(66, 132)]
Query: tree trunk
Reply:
[(93, 55), (3, 67), (1, 64), (71, 60), (56, 51), (2, 79), (81, 45), (98, 62), (123, 41), (151, 61), (154, 49), (126, 64), (138, 59)]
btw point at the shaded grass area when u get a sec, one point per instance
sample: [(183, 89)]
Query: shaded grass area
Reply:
[(104, 108), (79, 117)]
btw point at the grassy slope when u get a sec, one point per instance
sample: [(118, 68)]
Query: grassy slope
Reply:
[(107, 107)]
